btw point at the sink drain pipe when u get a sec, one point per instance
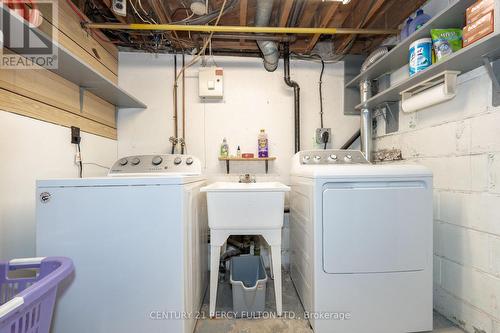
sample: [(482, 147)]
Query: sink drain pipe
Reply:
[(296, 95)]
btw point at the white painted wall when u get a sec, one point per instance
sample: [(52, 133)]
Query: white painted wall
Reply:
[(253, 99), (32, 150), (460, 141)]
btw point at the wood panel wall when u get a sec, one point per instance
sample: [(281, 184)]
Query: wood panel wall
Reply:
[(41, 94)]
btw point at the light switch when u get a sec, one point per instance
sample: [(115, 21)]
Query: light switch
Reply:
[(211, 84)]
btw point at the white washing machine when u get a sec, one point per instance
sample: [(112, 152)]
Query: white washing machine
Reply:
[(361, 243), (138, 239)]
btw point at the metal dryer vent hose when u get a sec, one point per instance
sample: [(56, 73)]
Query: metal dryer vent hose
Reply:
[(268, 48), (365, 90), (374, 57)]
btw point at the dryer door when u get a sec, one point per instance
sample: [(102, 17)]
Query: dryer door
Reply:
[(373, 227)]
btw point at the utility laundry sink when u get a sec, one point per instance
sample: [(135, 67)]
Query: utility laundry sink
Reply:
[(245, 209), (245, 205)]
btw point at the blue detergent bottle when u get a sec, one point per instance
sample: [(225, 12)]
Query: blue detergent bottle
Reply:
[(405, 32), (418, 22)]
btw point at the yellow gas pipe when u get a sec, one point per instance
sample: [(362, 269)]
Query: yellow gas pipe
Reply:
[(242, 29)]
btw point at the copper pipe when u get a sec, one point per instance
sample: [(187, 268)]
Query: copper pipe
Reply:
[(183, 99), (176, 129)]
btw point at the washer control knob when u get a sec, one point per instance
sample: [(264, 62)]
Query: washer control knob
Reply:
[(177, 160), (123, 162), (189, 160), (135, 161), (348, 158), (317, 158), (157, 160), (306, 159), (333, 157)]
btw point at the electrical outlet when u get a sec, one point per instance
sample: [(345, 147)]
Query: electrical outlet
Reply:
[(319, 135), (75, 135)]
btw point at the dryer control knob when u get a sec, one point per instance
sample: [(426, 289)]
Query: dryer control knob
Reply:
[(333, 158), (317, 158), (123, 162), (306, 159), (189, 160), (177, 160), (135, 161), (157, 160), (348, 158)]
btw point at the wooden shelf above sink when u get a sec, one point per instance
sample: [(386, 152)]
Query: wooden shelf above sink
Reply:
[(242, 159)]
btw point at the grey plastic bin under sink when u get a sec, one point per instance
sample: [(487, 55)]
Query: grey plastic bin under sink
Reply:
[(248, 280)]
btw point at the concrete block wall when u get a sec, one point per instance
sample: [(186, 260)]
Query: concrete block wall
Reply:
[(460, 141)]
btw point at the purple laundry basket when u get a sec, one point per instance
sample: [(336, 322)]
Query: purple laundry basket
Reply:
[(27, 303)]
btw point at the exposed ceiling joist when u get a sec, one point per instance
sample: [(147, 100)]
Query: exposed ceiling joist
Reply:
[(243, 15), (310, 12), (325, 20), (362, 14), (285, 12), (356, 15)]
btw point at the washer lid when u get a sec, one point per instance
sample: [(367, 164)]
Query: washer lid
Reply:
[(173, 179)]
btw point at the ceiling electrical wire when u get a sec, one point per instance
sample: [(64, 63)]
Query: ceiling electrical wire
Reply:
[(202, 50), (316, 58), (97, 165), (195, 58), (137, 13), (139, 2), (82, 17), (80, 164)]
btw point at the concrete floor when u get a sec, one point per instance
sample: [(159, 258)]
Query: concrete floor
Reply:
[(291, 303)]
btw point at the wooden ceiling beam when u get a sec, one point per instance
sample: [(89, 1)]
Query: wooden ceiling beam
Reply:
[(310, 12), (243, 12), (327, 17), (285, 12), (236, 45), (243, 15), (160, 11), (359, 19), (392, 14)]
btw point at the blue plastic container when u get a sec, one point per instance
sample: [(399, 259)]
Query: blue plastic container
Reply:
[(420, 55), (418, 21), (405, 32)]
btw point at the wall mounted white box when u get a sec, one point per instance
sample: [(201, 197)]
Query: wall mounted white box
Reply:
[(211, 83)]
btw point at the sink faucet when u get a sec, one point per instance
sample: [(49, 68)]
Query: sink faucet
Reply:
[(247, 178)]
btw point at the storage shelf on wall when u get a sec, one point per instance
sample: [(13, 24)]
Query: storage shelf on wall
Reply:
[(71, 68), (463, 61), (242, 159)]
